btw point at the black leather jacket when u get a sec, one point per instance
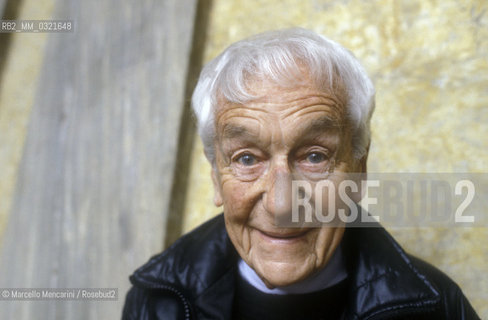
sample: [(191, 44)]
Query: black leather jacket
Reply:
[(194, 279)]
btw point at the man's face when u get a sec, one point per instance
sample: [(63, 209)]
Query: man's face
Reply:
[(288, 133)]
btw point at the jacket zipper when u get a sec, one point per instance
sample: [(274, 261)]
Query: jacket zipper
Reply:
[(172, 289), (186, 304)]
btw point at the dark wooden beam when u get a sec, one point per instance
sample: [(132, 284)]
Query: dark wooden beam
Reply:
[(187, 129)]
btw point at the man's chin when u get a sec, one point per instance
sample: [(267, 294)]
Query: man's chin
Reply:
[(282, 274)]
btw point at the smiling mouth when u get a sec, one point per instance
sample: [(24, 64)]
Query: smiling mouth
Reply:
[(284, 235)]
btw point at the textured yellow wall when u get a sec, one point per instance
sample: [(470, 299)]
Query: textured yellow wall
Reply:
[(429, 62), (17, 91)]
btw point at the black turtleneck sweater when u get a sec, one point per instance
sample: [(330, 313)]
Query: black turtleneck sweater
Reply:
[(252, 304)]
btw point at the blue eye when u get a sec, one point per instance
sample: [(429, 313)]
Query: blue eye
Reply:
[(247, 160), (316, 157)]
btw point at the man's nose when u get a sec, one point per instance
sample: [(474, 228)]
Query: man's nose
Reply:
[(278, 197)]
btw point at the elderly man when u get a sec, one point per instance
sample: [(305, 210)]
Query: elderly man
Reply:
[(278, 107)]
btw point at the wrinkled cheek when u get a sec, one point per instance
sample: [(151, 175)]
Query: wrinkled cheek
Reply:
[(238, 206), (237, 202), (326, 244)]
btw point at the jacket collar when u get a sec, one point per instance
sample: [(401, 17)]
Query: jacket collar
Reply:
[(203, 266), (383, 279)]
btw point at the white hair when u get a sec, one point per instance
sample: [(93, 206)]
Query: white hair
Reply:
[(280, 56)]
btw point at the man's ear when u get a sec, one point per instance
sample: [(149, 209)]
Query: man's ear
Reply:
[(363, 162), (362, 170), (218, 201)]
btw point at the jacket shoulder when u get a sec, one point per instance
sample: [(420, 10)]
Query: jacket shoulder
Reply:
[(453, 303), (170, 282), (397, 284), (180, 264)]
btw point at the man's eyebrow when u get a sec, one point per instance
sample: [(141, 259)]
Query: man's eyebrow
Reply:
[(320, 124), (231, 131)]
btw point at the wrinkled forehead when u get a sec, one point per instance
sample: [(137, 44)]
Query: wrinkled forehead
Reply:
[(293, 97)]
